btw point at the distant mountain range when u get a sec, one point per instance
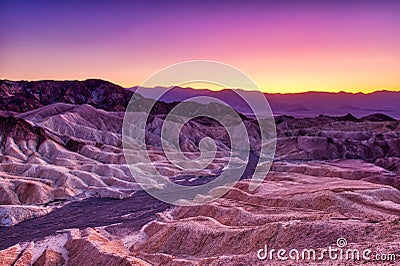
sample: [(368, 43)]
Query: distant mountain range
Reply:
[(307, 104), (22, 96)]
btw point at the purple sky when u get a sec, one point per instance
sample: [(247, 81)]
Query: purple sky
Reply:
[(285, 46)]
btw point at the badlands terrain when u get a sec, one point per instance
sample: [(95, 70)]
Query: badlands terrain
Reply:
[(67, 195)]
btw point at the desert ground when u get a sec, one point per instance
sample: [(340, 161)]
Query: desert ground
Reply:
[(67, 195)]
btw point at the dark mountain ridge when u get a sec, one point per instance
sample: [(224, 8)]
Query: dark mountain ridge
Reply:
[(307, 104), (22, 96)]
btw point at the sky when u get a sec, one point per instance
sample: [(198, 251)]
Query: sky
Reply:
[(284, 46)]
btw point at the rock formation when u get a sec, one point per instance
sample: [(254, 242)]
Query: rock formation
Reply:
[(60, 142)]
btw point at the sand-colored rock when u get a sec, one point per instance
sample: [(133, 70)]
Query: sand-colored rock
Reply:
[(88, 247), (50, 258), (295, 207), (289, 210), (13, 214), (70, 148), (9, 256), (19, 255), (333, 177), (25, 258)]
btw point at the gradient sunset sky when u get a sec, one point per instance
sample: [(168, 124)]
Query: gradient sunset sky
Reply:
[(284, 46)]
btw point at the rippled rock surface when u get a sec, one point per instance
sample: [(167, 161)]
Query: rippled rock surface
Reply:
[(61, 156)]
